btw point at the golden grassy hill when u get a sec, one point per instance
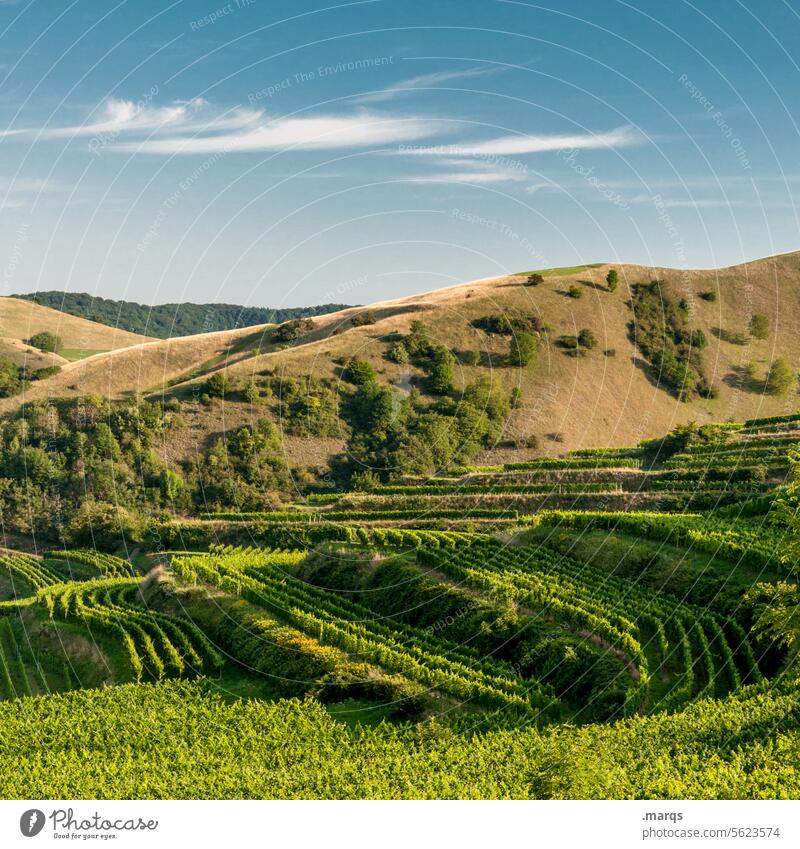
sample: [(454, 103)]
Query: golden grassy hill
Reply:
[(608, 397), (21, 319)]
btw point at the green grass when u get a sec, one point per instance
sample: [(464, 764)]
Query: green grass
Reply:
[(73, 354), (563, 271)]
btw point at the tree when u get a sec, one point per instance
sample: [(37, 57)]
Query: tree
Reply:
[(781, 377), (534, 279), (524, 350), (217, 385), (10, 381), (398, 353), (612, 280), (418, 339), (252, 394), (46, 341), (363, 318), (586, 339), (441, 370), (360, 372), (759, 326), (575, 292)]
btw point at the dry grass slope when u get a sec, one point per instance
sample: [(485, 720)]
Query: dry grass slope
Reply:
[(20, 319), (599, 399)]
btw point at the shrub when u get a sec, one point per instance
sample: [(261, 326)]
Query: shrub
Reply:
[(610, 352), (575, 291), (516, 398), (44, 373), (471, 358), (781, 377), (418, 340), (217, 385), (586, 339), (360, 372), (759, 326), (710, 296), (291, 330), (398, 353), (441, 370), (10, 379), (524, 350), (612, 280), (363, 318), (534, 279), (46, 341)]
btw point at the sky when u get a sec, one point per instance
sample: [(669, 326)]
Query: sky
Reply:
[(273, 153)]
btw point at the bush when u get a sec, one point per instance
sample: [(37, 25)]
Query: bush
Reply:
[(398, 353), (781, 377), (612, 280), (441, 371), (524, 350), (360, 372), (418, 340), (575, 291), (759, 326), (10, 379), (534, 279), (471, 358), (44, 373), (586, 339), (291, 330), (710, 296), (363, 318), (46, 341), (516, 398), (217, 385)]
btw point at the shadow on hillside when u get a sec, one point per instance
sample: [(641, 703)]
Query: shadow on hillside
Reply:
[(739, 378), (730, 336), (590, 284)]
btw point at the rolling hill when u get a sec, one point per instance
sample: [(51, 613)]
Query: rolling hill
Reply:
[(21, 319), (164, 321), (611, 395)]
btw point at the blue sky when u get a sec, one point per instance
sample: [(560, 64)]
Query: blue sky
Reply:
[(287, 153)]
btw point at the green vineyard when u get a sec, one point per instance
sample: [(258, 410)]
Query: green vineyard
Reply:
[(608, 599)]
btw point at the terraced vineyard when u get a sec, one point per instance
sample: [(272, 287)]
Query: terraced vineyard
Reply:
[(585, 597)]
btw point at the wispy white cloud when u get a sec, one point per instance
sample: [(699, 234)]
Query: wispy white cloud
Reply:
[(518, 145), (194, 127), (422, 82), (319, 132)]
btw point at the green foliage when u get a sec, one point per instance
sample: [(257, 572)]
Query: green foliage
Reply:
[(398, 353), (759, 326), (292, 330), (363, 318), (523, 350), (661, 331), (575, 291), (308, 406), (781, 377), (44, 373), (534, 279), (10, 378), (167, 320), (45, 341), (612, 280), (360, 372), (516, 398), (217, 386), (709, 296), (441, 370), (587, 339)]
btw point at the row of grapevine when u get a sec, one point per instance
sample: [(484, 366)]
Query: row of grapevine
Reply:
[(154, 644), (418, 655), (106, 565), (737, 540), (29, 569)]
